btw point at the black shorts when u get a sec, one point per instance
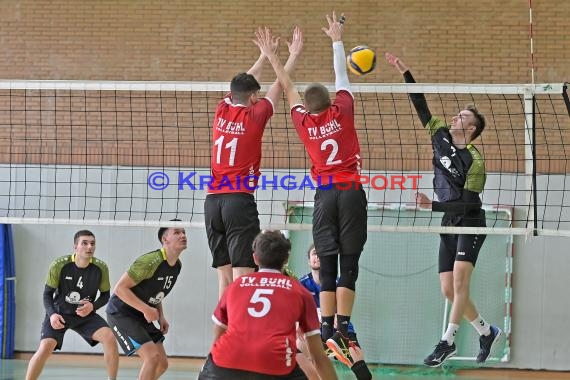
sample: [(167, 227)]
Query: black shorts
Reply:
[(210, 371), (132, 332), (459, 247), (84, 326), (340, 220), (232, 223)]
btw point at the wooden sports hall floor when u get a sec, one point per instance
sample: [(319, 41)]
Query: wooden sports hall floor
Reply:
[(87, 367)]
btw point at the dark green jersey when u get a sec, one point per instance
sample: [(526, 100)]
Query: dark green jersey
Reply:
[(73, 284), (154, 279)]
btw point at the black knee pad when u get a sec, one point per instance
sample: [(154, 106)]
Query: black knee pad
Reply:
[(348, 271), (328, 273)]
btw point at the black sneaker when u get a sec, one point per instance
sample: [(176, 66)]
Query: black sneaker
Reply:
[(442, 352), (487, 342), (353, 340), (339, 346)]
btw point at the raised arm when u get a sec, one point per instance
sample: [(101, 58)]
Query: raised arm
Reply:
[(257, 67), (418, 99), (267, 45), (334, 31), (295, 49)]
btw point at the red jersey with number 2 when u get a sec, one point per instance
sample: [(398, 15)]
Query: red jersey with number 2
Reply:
[(330, 138), (236, 153), (260, 311)]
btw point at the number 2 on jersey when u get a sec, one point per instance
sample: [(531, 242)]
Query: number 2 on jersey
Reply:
[(232, 145), (260, 297), (334, 151)]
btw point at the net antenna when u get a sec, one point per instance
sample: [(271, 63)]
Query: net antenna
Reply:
[(531, 39)]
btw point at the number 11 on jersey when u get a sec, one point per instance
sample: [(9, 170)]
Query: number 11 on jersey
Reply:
[(232, 145)]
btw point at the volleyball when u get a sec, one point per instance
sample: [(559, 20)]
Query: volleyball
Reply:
[(361, 60)]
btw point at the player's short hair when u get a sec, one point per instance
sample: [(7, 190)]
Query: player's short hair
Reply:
[(242, 86), (81, 233), (311, 247), (162, 230), (479, 120), (317, 98), (272, 249)]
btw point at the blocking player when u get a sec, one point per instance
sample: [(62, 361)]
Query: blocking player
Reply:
[(327, 130), (230, 209)]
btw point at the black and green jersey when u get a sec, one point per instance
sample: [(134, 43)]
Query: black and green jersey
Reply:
[(459, 174), (73, 284), (154, 279), (455, 169)]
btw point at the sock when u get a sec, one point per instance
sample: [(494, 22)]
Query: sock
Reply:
[(343, 321), (327, 327), (449, 335), (481, 325)]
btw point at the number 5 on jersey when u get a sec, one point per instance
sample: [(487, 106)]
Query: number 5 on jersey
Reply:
[(260, 297)]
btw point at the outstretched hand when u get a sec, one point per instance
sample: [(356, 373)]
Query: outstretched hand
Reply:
[(266, 42), (334, 31), (296, 44), (396, 62)]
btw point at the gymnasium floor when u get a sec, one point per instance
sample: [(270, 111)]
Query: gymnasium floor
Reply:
[(87, 367)]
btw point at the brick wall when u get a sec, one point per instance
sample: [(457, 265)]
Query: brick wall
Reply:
[(484, 41)]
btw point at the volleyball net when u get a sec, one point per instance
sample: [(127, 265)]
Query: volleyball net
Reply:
[(138, 154)]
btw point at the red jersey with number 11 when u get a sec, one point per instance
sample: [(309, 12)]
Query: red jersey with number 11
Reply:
[(260, 311), (236, 153), (330, 138)]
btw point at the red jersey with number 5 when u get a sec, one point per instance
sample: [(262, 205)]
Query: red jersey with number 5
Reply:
[(259, 312), (236, 154), (330, 138)]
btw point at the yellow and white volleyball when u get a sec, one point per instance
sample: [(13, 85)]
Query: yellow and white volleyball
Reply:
[(361, 60)]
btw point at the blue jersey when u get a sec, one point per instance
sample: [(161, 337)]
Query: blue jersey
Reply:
[(309, 283)]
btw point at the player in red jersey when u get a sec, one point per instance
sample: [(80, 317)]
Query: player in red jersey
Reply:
[(230, 210), (255, 331), (339, 217)]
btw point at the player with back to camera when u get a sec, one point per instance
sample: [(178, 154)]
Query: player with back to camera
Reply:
[(340, 215), (71, 302), (459, 178), (230, 210), (137, 302), (256, 322)]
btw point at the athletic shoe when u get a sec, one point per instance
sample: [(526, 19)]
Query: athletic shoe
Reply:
[(327, 350), (352, 339), (442, 352), (339, 344), (486, 342)]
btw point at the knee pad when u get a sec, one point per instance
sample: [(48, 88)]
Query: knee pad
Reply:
[(328, 273), (348, 271)]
